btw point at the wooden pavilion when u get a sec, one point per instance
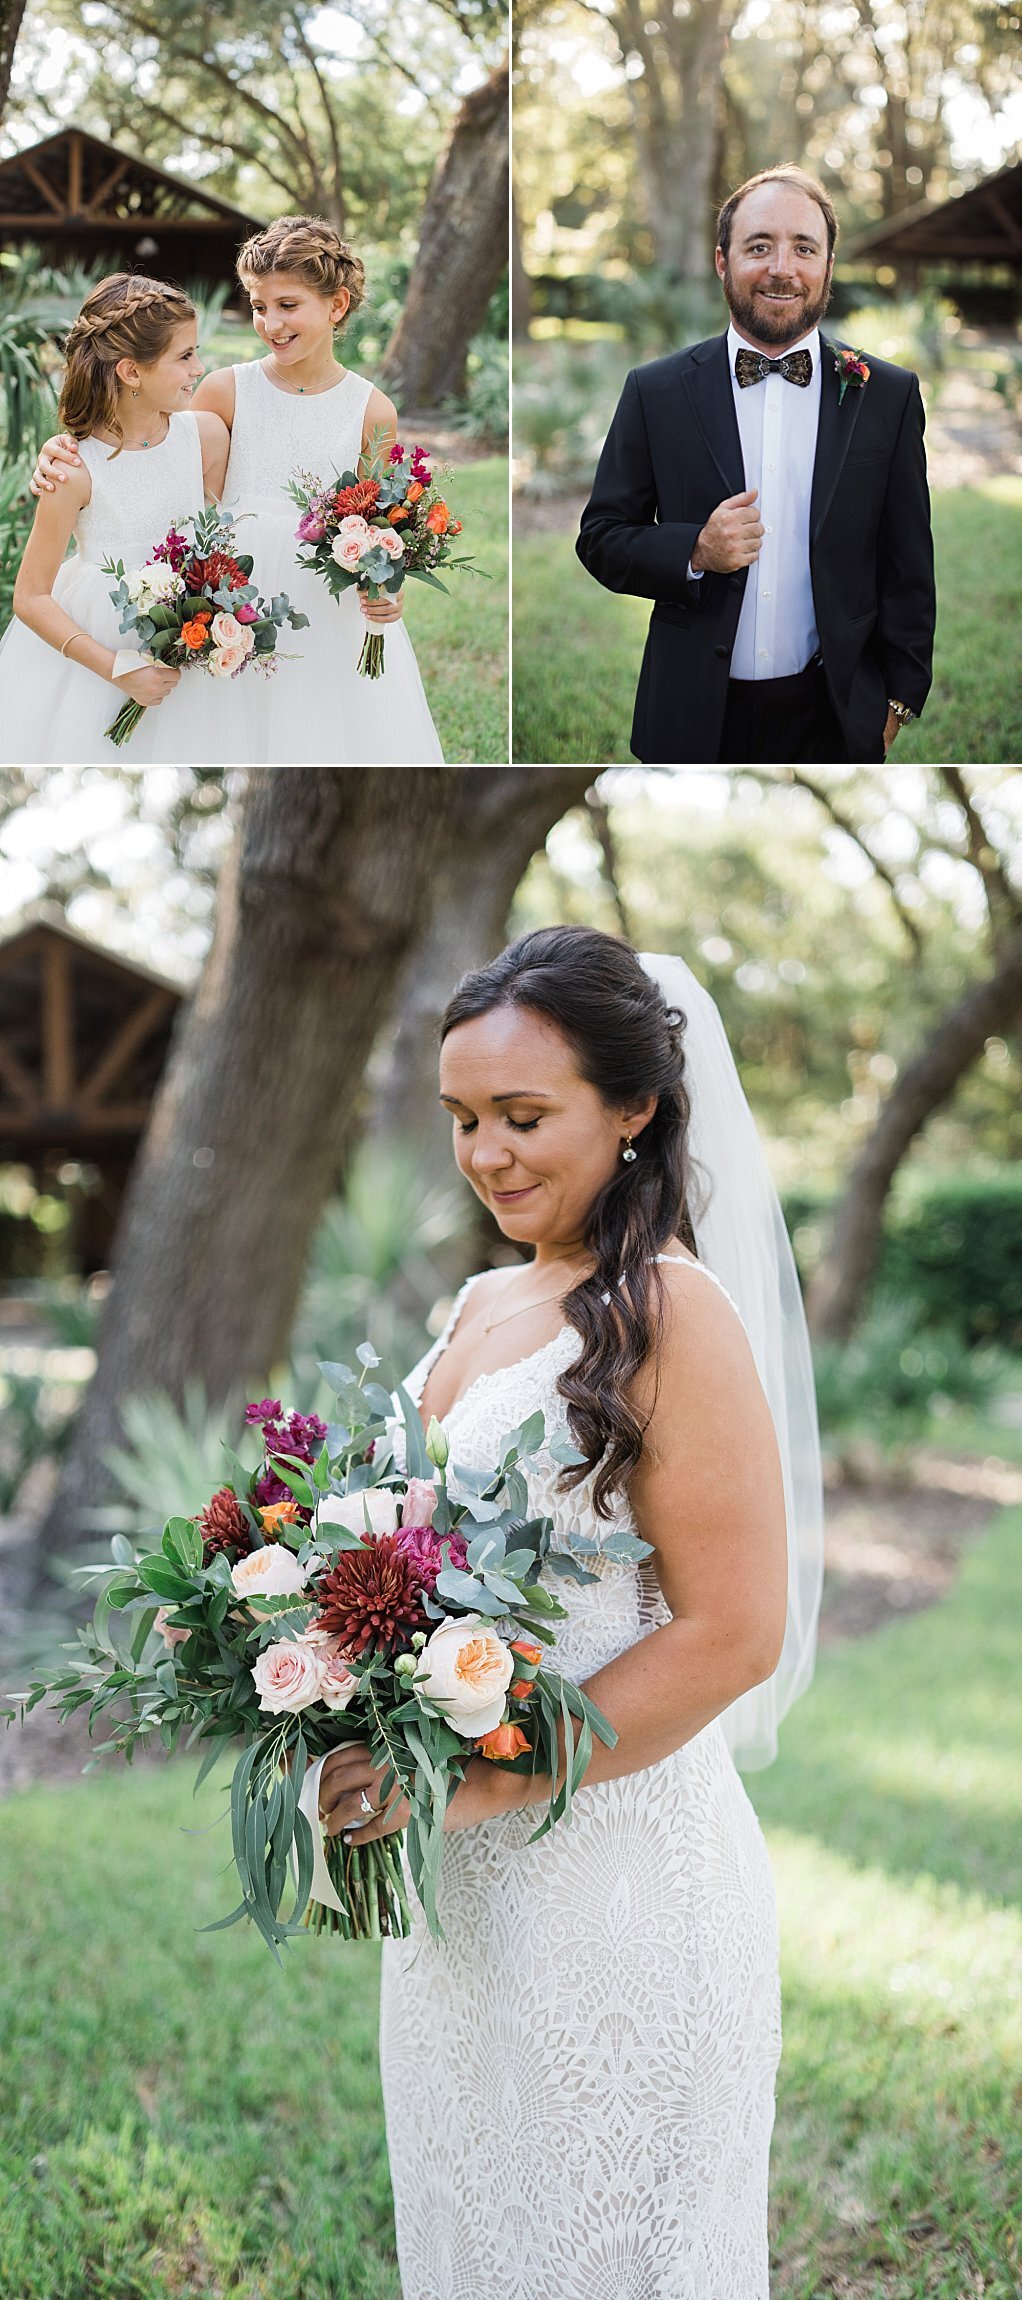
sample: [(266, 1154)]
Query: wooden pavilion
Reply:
[(83, 1040), (982, 226), (80, 199)]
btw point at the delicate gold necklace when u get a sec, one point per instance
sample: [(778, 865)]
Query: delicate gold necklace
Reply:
[(490, 1323)]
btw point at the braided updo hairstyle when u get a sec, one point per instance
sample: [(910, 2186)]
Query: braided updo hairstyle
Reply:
[(126, 317), (628, 1044), (312, 251)]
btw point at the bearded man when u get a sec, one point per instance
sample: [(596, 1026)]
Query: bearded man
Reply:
[(767, 490)]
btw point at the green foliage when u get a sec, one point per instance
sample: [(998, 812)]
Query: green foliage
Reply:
[(35, 1422), (172, 1459), (952, 1249), (897, 1371), (918, 332), (485, 400)]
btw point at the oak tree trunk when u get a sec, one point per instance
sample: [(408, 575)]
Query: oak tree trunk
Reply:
[(502, 817), (326, 882), (990, 1008), (677, 107), (463, 250), (11, 14)]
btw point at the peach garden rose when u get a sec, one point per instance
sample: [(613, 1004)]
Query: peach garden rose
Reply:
[(466, 1669)]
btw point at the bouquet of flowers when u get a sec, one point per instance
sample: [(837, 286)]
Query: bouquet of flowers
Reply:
[(374, 527), (195, 603), (329, 1595)]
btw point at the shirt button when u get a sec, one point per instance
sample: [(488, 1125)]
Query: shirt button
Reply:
[(770, 467), (762, 654), (768, 594)]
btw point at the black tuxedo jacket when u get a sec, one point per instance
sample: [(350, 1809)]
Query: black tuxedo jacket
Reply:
[(673, 453)]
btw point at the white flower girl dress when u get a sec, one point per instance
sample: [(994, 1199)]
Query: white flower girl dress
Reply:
[(315, 709), (54, 711)]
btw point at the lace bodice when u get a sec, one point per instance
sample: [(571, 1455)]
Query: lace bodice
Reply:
[(276, 433), (624, 1602), (139, 494)]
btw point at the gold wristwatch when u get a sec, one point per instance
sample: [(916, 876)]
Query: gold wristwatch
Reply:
[(901, 712)]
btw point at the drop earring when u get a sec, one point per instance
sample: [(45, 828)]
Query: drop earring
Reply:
[(628, 1154)]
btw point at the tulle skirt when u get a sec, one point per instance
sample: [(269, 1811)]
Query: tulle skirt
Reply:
[(318, 710), (55, 712)]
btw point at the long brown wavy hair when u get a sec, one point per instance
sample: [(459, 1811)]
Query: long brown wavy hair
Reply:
[(126, 317), (628, 1044)]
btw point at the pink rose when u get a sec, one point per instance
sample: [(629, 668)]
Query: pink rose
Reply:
[(287, 1678), (347, 550), (171, 1637), (419, 1502), (311, 528), (353, 524), (227, 632), (246, 613), (336, 1682), (224, 661), (388, 541)]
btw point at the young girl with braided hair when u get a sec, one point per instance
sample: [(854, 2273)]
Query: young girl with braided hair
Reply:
[(299, 409), (144, 461)]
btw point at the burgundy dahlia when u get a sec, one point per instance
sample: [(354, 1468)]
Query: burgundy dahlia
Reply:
[(224, 1527), (370, 1598)]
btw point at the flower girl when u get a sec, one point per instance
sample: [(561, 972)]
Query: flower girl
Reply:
[(143, 464), (303, 282)]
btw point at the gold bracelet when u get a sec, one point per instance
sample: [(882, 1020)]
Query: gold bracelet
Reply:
[(70, 642)]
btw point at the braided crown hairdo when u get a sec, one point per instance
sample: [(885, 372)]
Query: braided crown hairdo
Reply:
[(127, 316), (309, 248), (628, 1044)]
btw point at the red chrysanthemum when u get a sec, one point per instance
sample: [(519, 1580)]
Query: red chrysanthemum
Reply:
[(361, 499), (224, 1527), (370, 1598), (219, 569)]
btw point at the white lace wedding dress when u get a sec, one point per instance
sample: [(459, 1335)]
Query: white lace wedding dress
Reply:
[(316, 710), (53, 710), (579, 2084)]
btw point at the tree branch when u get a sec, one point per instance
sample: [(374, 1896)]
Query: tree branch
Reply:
[(1004, 906), (843, 823)]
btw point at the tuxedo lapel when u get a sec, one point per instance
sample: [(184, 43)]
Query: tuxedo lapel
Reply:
[(834, 433), (707, 383)]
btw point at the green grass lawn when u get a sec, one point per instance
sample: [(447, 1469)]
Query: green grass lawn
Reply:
[(577, 648), (462, 641), (179, 2118)]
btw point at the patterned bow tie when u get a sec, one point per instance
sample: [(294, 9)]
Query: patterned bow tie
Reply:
[(752, 366)]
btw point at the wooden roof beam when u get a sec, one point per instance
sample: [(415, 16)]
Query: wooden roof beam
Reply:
[(23, 1086), (53, 200), (126, 1042), (58, 1025)]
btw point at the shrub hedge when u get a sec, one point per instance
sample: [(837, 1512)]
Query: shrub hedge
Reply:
[(952, 1244)]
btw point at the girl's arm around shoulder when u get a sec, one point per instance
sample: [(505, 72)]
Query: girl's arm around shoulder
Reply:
[(215, 442), (215, 395), (380, 418)]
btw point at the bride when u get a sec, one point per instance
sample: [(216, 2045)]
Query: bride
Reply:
[(579, 2085)]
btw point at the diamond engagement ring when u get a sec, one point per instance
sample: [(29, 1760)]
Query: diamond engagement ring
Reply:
[(367, 1807)]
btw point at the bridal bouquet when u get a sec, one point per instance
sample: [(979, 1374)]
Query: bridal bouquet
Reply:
[(194, 603), (330, 1596), (374, 528)]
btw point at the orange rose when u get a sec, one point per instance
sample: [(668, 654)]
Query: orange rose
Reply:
[(504, 1741), (394, 517), (416, 489), (455, 527), (280, 1513), (195, 633), (528, 1652), (438, 520), (521, 1688)]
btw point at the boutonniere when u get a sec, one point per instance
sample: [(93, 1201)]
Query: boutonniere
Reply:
[(852, 369)]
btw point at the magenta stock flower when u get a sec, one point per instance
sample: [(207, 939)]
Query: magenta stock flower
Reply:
[(267, 1410)]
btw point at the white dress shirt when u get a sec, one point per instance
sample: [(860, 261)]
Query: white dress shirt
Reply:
[(777, 425)]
